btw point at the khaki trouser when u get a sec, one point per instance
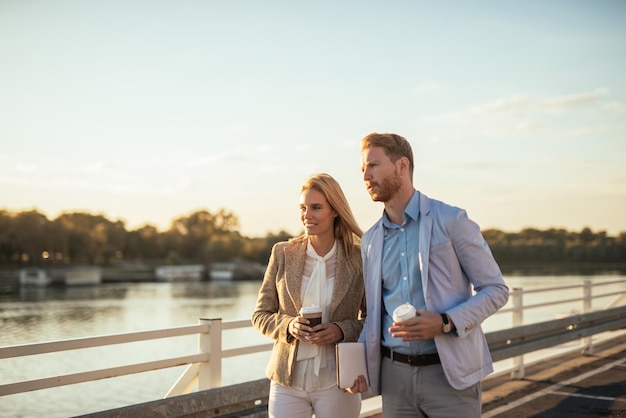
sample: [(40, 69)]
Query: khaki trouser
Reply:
[(420, 392)]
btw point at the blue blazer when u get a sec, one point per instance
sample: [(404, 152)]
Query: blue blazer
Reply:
[(455, 261)]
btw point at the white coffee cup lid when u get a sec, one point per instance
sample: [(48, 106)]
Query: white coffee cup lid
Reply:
[(310, 309), (403, 312)]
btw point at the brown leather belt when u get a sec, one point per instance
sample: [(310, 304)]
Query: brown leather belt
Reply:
[(411, 359)]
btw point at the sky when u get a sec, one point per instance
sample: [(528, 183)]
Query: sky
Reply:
[(146, 110)]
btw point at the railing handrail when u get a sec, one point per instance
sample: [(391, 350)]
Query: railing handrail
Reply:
[(571, 286), (524, 339), (517, 291), (82, 377), (99, 341), (558, 302)]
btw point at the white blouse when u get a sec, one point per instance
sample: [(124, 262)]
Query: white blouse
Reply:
[(304, 377)]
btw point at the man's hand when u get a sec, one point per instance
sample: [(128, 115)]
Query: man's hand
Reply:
[(424, 326)]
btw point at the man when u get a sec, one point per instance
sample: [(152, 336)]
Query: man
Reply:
[(431, 255)]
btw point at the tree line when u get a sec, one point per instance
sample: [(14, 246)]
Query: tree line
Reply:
[(554, 245), (29, 238)]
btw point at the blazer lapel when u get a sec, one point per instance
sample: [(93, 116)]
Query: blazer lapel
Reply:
[(294, 267), (343, 280), (426, 229)]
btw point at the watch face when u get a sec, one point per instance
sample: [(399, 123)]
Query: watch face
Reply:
[(446, 328)]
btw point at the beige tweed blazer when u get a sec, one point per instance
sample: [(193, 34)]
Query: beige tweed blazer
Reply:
[(279, 302)]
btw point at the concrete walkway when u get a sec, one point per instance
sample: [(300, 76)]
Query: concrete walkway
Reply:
[(572, 386)]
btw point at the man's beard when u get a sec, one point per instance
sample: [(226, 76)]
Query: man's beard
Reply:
[(387, 189)]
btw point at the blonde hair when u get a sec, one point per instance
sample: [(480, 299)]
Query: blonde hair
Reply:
[(394, 146), (347, 231)]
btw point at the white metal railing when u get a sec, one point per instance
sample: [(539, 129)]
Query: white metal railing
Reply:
[(518, 308), (204, 368), (209, 373)]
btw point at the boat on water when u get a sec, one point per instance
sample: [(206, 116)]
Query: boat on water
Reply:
[(191, 272), (222, 271), (34, 277), (69, 276), (236, 270), (83, 276)]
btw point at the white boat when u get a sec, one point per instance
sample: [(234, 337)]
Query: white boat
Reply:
[(191, 272), (83, 276), (34, 277), (237, 270), (222, 271)]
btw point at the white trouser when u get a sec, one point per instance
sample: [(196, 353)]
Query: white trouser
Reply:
[(287, 402)]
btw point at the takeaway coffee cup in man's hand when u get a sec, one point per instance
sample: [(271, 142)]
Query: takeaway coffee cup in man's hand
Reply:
[(403, 312), (313, 314)]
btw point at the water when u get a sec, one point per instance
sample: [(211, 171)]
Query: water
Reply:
[(57, 313)]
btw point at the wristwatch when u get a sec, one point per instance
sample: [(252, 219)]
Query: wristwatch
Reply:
[(447, 326)]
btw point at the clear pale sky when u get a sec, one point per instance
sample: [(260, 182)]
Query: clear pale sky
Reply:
[(146, 110)]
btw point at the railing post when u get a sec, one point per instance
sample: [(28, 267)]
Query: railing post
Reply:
[(517, 296), (210, 374), (586, 342)]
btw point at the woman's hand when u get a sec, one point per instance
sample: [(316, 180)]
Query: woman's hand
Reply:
[(322, 334), (360, 385), (299, 328)]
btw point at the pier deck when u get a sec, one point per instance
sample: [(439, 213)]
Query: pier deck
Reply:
[(573, 386)]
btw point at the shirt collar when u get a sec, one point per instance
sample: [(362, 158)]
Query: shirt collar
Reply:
[(411, 211)]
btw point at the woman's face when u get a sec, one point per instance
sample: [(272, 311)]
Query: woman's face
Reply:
[(316, 214)]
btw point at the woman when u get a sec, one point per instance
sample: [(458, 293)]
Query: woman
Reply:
[(321, 267)]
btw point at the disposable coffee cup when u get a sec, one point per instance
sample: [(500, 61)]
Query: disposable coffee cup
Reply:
[(313, 314), (403, 312)]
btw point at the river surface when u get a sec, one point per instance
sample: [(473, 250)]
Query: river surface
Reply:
[(58, 313)]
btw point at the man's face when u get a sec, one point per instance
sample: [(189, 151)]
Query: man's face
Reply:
[(380, 174)]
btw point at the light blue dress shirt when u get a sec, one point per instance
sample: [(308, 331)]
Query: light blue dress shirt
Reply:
[(402, 279)]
